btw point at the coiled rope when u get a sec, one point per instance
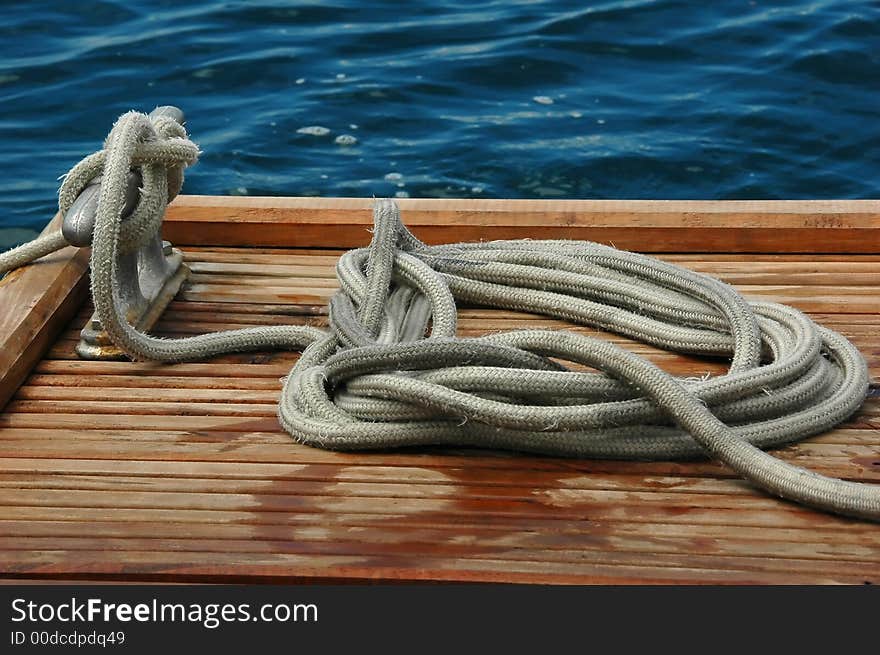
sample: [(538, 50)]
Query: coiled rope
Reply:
[(375, 381)]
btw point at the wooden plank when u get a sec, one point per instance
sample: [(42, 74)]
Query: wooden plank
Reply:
[(704, 492), (186, 442), (330, 255), (204, 520), (600, 506), (153, 369), (151, 565), (647, 538), (182, 473), (626, 552), (37, 302), (818, 226)]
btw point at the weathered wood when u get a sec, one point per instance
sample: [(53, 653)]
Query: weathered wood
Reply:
[(818, 226), (151, 565), (37, 301), (605, 506), (182, 473), (661, 538)]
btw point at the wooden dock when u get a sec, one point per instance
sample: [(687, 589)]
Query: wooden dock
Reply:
[(144, 472)]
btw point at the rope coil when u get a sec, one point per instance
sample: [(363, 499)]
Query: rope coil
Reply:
[(375, 381)]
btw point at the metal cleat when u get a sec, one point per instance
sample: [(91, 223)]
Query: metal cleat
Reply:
[(148, 278)]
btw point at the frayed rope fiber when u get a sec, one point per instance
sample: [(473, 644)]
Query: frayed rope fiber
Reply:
[(374, 380)]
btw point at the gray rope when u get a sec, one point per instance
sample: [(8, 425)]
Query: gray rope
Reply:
[(163, 152), (375, 381), (43, 245), (351, 391)]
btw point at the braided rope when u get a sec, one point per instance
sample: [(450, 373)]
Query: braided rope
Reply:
[(162, 151), (375, 381)]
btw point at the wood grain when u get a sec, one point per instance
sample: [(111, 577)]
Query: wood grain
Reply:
[(123, 471), (805, 226), (37, 301)]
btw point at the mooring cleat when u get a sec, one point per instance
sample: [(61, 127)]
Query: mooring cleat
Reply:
[(152, 284), (148, 279)]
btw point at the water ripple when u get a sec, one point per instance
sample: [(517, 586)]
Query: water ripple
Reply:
[(620, 99)]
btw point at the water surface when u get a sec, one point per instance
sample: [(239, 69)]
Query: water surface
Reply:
[(507, 99)]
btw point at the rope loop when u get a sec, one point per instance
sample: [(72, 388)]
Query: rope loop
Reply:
[(393, 370), (159, 148)]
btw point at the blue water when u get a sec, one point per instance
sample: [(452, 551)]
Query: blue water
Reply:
[(512, 99)]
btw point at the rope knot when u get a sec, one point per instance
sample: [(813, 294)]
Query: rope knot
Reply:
[(155, 151), (380, 300), (380, 379)]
